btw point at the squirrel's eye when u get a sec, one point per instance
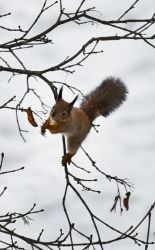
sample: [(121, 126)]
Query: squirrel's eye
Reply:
[(64, 113)]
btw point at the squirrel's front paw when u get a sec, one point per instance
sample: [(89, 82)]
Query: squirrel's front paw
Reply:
[(44, 127), (66, 158)]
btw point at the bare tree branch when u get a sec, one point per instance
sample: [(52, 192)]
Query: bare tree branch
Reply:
[(26, 39)]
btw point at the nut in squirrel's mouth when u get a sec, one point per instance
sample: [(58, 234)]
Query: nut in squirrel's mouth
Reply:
[(52, 122)]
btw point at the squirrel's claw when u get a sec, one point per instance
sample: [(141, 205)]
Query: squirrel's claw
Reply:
[(66, 159)]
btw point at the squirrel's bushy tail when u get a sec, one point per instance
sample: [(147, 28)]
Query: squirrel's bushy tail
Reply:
[(107, 97)]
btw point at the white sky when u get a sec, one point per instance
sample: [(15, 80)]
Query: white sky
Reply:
[(125, 144)]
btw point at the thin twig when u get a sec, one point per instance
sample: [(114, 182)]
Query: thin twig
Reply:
[(1, 162), (148, 231), (129, 9), (12, 171)]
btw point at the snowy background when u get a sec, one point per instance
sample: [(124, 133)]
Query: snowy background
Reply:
[(124, 146)]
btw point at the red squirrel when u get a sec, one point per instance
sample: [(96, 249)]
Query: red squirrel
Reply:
[(75, 123)]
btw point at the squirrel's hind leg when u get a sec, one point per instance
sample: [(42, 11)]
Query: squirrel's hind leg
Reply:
[(73, 144)]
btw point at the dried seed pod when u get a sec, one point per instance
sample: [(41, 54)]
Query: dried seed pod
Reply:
[(126, 200), (31, 118)]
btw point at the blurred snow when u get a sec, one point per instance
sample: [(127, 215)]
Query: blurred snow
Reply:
[(124, 146)]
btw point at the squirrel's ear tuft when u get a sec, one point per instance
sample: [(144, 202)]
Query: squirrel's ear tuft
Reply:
[(74, 100), (60, 93)]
